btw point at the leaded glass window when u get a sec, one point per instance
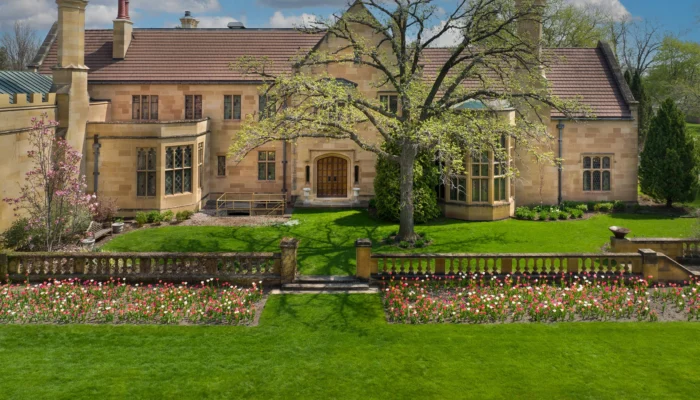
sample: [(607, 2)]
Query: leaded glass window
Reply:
[(458, 188), (390, 102), (480, 181), (193, 107), (145, 172), (144, 107), (597, 173), (266, 166), (221, 165), (200, 164), (178, 169)]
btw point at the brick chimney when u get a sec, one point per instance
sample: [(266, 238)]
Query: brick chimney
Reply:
[(187, 22), (70, 74), (123, 28)]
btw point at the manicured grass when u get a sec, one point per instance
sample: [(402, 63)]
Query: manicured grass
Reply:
[(694, 129), (328, 236), (339, 346)]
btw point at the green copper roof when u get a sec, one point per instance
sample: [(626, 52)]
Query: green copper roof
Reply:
[(471, 105), (13, 82)]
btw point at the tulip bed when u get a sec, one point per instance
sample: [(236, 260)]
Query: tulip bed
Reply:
[(481, 299), (115, 302)]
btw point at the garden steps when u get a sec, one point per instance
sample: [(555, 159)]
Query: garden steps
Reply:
[(326, 285)]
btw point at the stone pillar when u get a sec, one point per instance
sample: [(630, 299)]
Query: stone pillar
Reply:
[(440, 264), (3, 267), (363, 252), (506, 266), (650, 265), (288, 269), (572, 265)]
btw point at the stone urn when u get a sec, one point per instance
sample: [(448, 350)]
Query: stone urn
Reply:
[(619, 231), (88, 243), (307, 193), (117, 227), (356, 194)]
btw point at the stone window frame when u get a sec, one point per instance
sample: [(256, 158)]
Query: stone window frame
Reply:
[(265, 162), (219, 157), (458, 188), (484, 163), (173, 169), (588, 168), (195, 109), (148, 170), (265, 108), (500, 174), (387, 103), (137, 112), (200, 165), (232, 99)]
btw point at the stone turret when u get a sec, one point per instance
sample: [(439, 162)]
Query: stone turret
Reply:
[(70, 74)]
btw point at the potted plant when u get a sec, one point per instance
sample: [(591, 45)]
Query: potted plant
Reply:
[(117, 226), (88, 242)]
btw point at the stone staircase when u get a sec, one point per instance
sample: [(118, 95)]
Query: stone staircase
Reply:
[(310, 284)]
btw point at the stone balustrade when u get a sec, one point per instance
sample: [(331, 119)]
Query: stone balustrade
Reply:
[(674, 248), (272, 268)]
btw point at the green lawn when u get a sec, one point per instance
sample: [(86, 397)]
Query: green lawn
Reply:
[(328, 236), (694, 129), (339, 346)]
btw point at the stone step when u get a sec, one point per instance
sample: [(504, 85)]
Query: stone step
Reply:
[(328, 286), (325, 279)]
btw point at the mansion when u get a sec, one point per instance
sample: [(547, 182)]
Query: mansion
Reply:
[(154, 112)]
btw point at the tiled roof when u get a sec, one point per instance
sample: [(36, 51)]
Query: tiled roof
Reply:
[(200, 55), (13, 82), (203, 55)]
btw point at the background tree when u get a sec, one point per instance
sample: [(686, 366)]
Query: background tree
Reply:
[(570, 25), (52, 197), (645, 111), (21, 45), (676, 74), (500, 62), (3, 59), (669, 164)]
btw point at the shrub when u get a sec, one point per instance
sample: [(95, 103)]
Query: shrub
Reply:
[(153, 216), (603, 207), (419, 243), (591, 206), (543, 215), (167, 216), (575, 213), (524, 213), (554, 215), (105, 209), (141, 218), (404, 244), (582, 207), (563, 215), (387, 194), (17, 236), (156, 219), (619, 206), (372, 203), (636, 208), (183, 215)]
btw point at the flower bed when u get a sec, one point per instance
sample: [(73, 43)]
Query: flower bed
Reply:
[(73, 301), (481, 299)]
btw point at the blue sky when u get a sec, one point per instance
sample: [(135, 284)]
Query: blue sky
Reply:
[(677, 16)]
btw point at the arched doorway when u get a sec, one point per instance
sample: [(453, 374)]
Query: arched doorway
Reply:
[(332, 177)]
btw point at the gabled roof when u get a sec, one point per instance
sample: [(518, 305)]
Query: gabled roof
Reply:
[(13, 82), (187, 55), (203, 56)]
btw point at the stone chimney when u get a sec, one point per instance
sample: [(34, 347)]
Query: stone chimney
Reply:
[(187, 22), (123, 28), (530, 26), (70, 74)]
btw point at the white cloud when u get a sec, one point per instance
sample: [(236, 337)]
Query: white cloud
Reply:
[(101, 16), (450, 38), (304, 3), (178, 6), (216, 21), (279, 20), (614, 8)]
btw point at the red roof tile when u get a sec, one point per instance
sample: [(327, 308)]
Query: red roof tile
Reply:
[(203, 55)]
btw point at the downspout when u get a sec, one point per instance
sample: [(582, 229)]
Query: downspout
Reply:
[(96, 169), (560, 126), (284, 167)]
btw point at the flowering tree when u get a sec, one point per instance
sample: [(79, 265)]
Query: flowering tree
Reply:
[(491, 61), (52, 197)]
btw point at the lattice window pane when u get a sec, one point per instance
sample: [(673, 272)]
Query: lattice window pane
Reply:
[(154, 107), (454, 190), (462, 189), (140, 159), (503, 188), (135, 107), (270, 156), (484, 170), (261, 171), (587, 180), (188, 157), (187, 178), (168, 182), (151, 159), (144, 107), (484, 189), (236, 107), (177, 181), (221, 166), (606, 180), (596, 180), (141, 183), (151, 184), (475, 170), (606, 162), (270, 171), (178, 157), (262, 156), (476, 186), (586, 162), (189, 107), (596, 162), (228, 114), (198, 107), (169, 157)]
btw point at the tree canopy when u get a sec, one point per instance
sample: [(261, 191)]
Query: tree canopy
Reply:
[(493, 61)]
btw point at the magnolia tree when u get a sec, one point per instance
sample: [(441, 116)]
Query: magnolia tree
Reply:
[(52, 198), (490, 61)]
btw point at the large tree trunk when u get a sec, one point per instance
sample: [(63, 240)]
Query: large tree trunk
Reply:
[(408, 158)]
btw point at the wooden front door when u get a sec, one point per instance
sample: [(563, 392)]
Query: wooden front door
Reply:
[(332, 177)]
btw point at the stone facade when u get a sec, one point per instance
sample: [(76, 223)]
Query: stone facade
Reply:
[(99, 115)]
